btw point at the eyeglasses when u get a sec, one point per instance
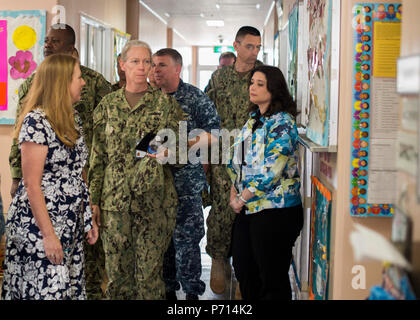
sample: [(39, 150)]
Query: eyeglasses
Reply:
[(251, 47)]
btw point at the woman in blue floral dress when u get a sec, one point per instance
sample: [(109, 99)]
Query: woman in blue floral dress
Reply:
[(50, 212), (265, 189)]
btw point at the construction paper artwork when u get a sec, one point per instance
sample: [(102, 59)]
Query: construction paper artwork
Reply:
[(22, 35)]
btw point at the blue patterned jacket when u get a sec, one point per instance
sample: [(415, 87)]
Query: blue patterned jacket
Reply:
[(269, 167)]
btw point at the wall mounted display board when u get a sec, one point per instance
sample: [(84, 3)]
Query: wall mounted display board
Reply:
[(302, 94), (323, 62), (320, 239), (22, 36), (377, 32), (120, 39), (293, 50), (301, 249)]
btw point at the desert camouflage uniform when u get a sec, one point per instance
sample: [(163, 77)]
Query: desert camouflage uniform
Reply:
[(137, 196), (183, 258), (92, 93), (229, 92)]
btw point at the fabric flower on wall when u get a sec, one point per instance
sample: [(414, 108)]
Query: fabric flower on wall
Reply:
[(22, 65)]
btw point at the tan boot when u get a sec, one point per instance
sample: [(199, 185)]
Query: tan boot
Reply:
[(217, 276), (238, 295)]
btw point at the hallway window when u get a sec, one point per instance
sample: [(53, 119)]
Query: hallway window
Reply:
[(95, 46)]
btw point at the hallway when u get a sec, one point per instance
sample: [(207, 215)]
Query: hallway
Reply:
[(231, 281), (229, 293), (353, 70)]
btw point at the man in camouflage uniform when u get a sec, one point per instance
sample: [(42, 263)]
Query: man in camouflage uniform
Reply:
[(225, 59), (62, 40), (136, 195), (228, 88), (183, 259)]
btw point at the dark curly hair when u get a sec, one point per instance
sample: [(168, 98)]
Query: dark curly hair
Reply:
[(281, 100)]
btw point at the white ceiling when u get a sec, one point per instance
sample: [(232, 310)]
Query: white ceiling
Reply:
[(184, 18)]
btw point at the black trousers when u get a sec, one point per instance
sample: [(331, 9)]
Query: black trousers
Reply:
[(262, 252)]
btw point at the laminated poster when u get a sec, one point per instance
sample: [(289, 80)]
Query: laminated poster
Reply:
[(320, 239), (319, 63), (120, 39), (22, 36), (292, 58), (377, 32)]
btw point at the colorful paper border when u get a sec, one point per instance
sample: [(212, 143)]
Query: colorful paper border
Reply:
[(363, 19)]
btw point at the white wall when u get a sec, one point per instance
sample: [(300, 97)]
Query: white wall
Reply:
[(109, 12), (152, 30)]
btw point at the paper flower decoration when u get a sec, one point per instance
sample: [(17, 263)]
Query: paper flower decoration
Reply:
[(22, 65)]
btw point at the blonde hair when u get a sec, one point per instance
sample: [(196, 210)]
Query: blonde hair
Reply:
[(133, 44), (50, 91)]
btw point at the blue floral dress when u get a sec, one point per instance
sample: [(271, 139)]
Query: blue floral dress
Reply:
[(28, 273)]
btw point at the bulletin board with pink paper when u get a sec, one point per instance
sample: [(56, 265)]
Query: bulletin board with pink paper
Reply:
[(22, 36)]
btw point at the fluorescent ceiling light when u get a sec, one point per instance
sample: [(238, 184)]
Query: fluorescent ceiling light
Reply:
[(269, 13), (215, 23), (153, 12), (180, 35)]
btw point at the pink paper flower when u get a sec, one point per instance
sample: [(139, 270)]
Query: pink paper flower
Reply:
[(22, 65)]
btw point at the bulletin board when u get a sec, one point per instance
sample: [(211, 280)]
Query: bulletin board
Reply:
[(323, 70), (301, 249), (293, 50), (22, 36), (377, 32), (320, 239), (120, 39)]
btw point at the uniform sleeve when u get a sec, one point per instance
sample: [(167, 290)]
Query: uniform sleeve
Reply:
[(210, 90), (279, 146), (174, 116), (98, 156), (103, 87), (14, 156)]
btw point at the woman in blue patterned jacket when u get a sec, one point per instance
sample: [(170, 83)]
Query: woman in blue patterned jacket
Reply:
[(265, 190)]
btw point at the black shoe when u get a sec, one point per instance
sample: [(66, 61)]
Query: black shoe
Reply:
[(190, 296), (171, 295)]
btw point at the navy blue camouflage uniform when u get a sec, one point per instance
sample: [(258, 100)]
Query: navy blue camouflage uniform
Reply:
[(182, 263)]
